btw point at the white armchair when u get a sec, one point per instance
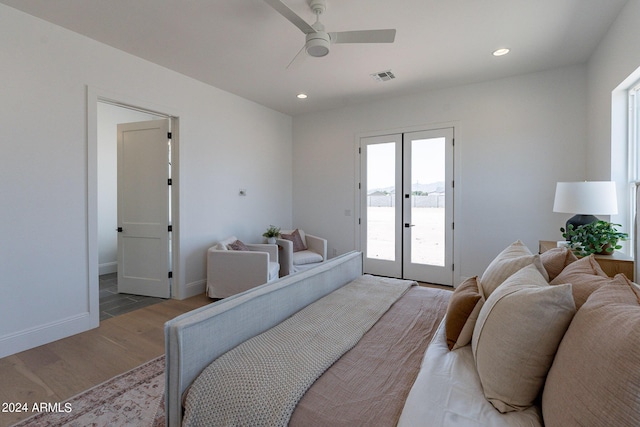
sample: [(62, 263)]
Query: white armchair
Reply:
[(315, 252), (230, 272)]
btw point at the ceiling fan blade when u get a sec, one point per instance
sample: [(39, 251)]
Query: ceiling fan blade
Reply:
[(364, 36), (285, 11)]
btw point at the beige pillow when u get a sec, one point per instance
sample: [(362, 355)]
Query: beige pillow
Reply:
[(585, 276), (516, 336), (238, 245), (556, 259), (462, 313), (595, 377), (296, 238), (509, 261)]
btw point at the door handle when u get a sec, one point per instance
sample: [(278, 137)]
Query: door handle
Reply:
[(407, 225)]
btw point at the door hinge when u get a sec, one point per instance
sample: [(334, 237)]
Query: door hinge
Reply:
[(359, 221), (169, 182), (453, 225), (119, 229), (453, 267), (359, 150), (170, 228), (170, 275), (359, 186), (169, 135), (453, 142), (453, 184)]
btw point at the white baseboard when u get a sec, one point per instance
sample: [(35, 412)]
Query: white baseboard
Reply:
[(46, 333), (108, 267), (192, 289)]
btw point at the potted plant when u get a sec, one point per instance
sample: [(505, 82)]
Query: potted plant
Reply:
[(272, 234), (599, 237)]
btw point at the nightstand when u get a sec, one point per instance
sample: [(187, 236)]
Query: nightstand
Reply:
[(610, 264)]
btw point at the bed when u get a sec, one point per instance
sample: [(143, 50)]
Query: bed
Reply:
[(241, 361), (402, 333)]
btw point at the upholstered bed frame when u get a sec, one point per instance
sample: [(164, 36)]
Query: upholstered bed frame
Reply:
[(582, 363), (195, 339)]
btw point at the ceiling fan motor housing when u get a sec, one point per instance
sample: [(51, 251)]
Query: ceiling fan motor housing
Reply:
[(318, 44)]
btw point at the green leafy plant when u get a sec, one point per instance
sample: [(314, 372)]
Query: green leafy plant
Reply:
[(272, 231), (599, 237)]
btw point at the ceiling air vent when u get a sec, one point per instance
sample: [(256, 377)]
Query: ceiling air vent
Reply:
[(383, 76)]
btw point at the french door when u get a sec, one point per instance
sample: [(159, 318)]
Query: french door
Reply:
[(406, 205)]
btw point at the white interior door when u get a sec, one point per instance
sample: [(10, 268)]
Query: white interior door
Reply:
[(407, 205), (143, 208)]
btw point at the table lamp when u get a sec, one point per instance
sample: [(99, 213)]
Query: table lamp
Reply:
[(585, 199)]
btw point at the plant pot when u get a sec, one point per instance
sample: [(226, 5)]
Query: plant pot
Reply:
[(271, 240), (604, 250)]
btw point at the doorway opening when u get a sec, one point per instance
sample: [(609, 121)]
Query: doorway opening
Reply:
[(406, 205), (112, 300)]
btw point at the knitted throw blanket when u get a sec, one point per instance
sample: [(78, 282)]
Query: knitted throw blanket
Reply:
[(260, 382)]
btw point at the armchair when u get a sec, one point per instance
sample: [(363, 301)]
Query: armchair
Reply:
[(314, 252), (230, 272)]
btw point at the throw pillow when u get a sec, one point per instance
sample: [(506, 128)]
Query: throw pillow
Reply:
[(509, 261), (516, 336), (462, 313), (595, 377), (238, 246), (556, 259), (585, 276), (298, 244)]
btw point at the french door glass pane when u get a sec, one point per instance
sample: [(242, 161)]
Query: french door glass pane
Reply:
[(381, 190), (428, 201)]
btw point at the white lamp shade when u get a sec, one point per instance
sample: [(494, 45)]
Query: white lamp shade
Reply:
[(586, 198)]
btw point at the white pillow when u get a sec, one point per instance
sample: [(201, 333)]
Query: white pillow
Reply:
[(224, 244), (517, 335)]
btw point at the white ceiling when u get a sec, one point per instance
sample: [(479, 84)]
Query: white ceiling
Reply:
[(244, 46)]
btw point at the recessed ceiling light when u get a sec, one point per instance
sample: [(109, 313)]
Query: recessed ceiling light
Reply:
[(501, 51), (302, 96)]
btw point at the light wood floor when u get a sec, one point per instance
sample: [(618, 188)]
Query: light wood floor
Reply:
[(57, 371)]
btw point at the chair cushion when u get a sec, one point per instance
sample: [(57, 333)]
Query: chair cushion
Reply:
[(274, 270), (509, 261), (462, 313), (296, 238), (595, 376), (306, 257), (516, 337)]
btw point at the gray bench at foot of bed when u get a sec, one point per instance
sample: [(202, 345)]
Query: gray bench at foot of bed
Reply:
[(195, 339)]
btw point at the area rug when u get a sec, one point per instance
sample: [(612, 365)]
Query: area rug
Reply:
[(135, 398)]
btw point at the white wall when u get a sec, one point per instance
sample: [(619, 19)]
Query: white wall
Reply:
[(613, 67), (515, 138), (226, 143)]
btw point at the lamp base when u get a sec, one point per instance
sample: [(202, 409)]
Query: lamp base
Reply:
[(578, 220)]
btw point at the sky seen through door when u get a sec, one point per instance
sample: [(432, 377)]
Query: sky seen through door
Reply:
[(380, 176)]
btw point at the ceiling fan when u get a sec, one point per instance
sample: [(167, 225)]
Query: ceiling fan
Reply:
[(318, 41)]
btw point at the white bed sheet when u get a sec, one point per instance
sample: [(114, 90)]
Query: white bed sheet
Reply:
[(447, 392)]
